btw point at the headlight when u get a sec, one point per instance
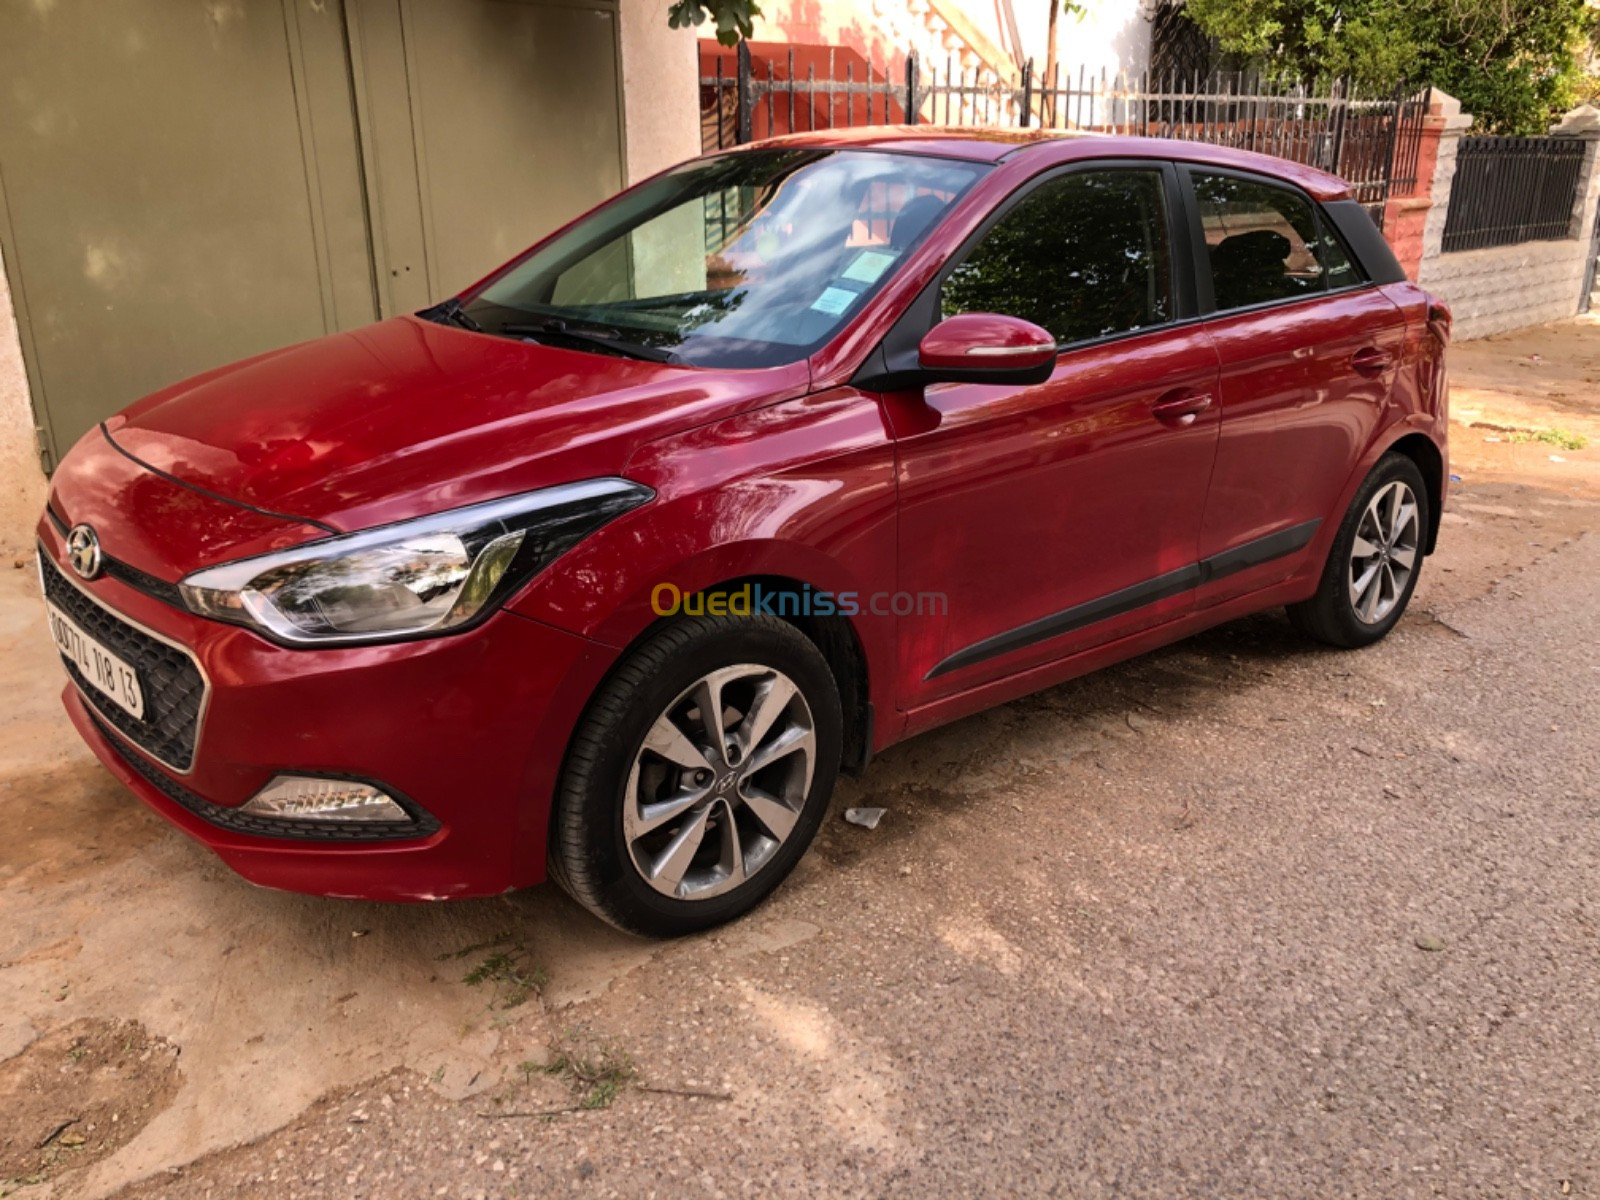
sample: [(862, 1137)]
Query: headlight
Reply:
[(431, 575)]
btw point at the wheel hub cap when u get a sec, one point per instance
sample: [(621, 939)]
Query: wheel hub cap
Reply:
[(1384, 553), (719, 782)]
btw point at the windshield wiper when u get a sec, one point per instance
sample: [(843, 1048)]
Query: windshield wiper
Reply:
[(451, 313), (607, 340)]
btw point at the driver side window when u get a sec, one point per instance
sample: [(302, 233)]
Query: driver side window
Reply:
[(1083, 256)]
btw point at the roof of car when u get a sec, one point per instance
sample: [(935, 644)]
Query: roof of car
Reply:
[(1053, 146)]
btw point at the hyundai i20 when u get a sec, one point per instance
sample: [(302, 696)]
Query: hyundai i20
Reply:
[(605, 568)]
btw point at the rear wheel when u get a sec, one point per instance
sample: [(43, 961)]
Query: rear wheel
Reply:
[(698, 776), (1374, 561)]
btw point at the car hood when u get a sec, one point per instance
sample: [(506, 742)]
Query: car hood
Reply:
[(406, 417)]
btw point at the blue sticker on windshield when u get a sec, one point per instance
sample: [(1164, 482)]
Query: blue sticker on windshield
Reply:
[(833, 301)]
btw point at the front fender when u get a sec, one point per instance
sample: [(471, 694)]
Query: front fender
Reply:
[(803, 490)]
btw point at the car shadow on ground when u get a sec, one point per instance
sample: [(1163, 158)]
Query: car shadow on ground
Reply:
[(953, 769), (575, 951), (538, 935)]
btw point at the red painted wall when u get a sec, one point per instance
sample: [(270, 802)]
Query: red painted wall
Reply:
[(784, 113)]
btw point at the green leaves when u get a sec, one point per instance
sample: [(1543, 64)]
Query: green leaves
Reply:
[(1514, 64), (732, 18)]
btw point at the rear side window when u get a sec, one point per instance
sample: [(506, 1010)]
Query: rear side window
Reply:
[(1341, 268), (1264, 243), (1083, 256)]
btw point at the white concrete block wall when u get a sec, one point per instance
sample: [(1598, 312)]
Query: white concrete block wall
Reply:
[(1512, 287), (1508, 287)]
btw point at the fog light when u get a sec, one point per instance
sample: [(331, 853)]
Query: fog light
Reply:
[(305, 798)]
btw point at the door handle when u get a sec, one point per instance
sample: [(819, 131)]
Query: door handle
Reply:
[(1180, 408), (1370, 361)]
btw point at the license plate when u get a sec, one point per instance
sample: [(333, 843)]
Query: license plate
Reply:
[(109, 675)]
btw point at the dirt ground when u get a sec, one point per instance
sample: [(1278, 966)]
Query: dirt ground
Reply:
[(1241, 917)]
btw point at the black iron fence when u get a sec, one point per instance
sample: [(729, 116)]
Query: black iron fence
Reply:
[(1371, 140), (1508, 190)]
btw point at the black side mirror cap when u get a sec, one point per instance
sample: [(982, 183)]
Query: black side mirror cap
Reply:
[(879, 374)]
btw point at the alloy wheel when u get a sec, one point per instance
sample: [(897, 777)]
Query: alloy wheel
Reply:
[(1384, 552), (719, 782)]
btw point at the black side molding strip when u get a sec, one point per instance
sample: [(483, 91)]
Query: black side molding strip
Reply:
[(1115, 604), (195, 487), (1261, 550), (1240, 558)]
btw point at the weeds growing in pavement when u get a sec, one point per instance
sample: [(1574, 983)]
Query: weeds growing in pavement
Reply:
[(507, 969), (1562, 438), (594, 1080)]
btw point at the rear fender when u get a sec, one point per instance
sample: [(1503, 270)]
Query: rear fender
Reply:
[(1405, 435)]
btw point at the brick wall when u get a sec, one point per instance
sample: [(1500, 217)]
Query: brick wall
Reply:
[(1405, 216)]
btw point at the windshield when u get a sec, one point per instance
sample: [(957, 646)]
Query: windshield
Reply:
[(745, 260)]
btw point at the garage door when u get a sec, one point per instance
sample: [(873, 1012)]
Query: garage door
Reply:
[(187, 183), (489, 122)]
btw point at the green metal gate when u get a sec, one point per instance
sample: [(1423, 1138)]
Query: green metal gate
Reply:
[(187, 183)]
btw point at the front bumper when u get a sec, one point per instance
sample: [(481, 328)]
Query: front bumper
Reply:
[(470, 728)]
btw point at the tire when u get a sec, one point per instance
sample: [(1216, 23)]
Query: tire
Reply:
[(1340, 614), (613, 849)]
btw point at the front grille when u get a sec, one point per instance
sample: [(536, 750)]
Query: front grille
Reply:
[(143, 581), (220, 815), (174, 690), (126, 573)]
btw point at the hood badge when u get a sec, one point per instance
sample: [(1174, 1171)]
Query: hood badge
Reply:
[(83, 551)]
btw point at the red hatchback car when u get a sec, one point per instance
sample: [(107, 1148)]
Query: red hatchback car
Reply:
[(607, 566)]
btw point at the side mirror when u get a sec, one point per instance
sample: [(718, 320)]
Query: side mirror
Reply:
[(987, 348)]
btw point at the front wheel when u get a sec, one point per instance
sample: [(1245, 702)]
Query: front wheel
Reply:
[(698, 776), (1374, 561)]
